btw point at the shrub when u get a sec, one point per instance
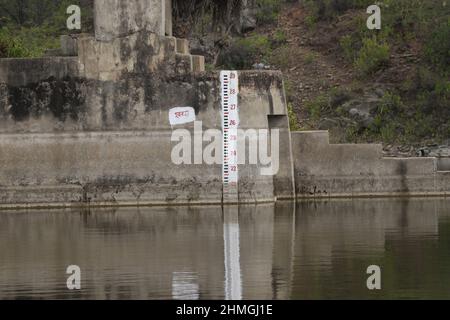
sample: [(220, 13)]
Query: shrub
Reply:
[(288, 89), (10, 46), (391, 104), (437, 48), (346, 44), (268, 11), (388, 132), (243, 52), (256, 44), (317, 106), (372, 56), (310, 58), (279, 38), (310, 21), (281, 57), (326, 9), (293, 121), (235, 57), (387, 118)]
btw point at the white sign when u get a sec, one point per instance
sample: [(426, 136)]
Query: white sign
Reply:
[(181, 115)]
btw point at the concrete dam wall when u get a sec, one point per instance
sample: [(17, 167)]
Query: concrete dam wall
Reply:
[(90, 126), (94, 128), (356, 170), (71, 139)]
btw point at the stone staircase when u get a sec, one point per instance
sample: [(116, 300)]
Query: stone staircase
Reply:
[(194, 63), (174, 48)]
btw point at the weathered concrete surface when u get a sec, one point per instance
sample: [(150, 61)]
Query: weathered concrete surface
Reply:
[(103, 167), (135, 102), (69, 44), (118, 18), (327, 170), (82, 141), (168, 18), (142, 52), (21, 72), (94, 128)]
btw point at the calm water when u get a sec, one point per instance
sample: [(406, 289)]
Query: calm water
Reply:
[(309, 251)]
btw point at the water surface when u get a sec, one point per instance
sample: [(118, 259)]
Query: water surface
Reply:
[(312, 250)]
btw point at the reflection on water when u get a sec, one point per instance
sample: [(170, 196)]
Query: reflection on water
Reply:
[(233, 282), (281, 251)]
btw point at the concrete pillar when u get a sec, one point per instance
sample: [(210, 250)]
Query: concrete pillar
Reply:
[(118, 18), (168, 18)]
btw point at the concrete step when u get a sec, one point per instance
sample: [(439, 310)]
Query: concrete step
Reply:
[(187, 63), (198, 63), (183, 63), (182, 46)]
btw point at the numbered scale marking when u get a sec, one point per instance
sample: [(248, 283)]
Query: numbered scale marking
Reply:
[(230, 124)]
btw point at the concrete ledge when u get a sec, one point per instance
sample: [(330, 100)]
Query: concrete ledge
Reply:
[(21, 72), (182, 46), (371, 195), (443, 164), (108, 167), (198, 63), (352, 170), (142, 52), (111, 168), (69, 43)]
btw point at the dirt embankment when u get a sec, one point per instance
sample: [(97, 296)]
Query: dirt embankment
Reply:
[(327, 93)]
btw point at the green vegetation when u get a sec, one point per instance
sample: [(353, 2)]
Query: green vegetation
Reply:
[(244, 52), (268, 11), (310, 58), (414, 33), (29, 27), (437, 47), (255, 48), (293, 120), (372, 56), (403, 22), (280, 38), (26, 42), (346, 44), (328, 9), (317, 107), (256, 45)]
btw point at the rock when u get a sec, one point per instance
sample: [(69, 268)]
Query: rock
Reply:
[(434, 150), (327, 123), (423, 152), (247, 20), (362, 108), (203, 47), (379, 92), (433, 154), (261, 66)]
